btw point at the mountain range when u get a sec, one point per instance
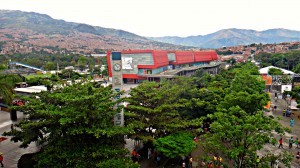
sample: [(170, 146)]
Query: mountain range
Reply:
[(42, 30), (34, 29), (233, 37)]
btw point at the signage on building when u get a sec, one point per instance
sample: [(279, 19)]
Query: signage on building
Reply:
[(286, 88), (127, 63)]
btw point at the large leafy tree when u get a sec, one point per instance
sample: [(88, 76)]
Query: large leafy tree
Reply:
[(50, 66), (82, 62), (239, 135), (7, 83), (251, 103), (245, 91), (283, 60), (200, 103), (296, 69), (175, 145), (247, 83), (275, 71), (75, 127), (154, 106)]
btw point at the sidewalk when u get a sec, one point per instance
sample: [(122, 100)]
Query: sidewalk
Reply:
[(285, 121), (11, 150)]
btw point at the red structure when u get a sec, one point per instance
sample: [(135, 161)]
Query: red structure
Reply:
[(160, 57), (153, 62), (183, 57), (205, 56)]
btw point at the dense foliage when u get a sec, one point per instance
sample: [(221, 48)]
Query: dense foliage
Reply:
[(7, 83), (74, 127), (275, 71), (238, 135), (287, 60), (76, 122), (175, 145)]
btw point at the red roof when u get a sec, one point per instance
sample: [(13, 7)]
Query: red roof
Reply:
[(183, 57), (160, 58), (136, 51), (205, 56)]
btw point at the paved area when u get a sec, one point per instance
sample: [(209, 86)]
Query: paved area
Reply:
[(11, 150), (285, 121)]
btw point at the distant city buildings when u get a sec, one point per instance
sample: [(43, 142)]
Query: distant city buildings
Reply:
[(241, 53)]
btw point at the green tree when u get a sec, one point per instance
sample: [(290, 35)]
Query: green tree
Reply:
[(251, 103), (7, 83), (199, 103), (296, 69), (69, 73), (50, 66), (275, 71), (2, 67), (54, 78), (175, 145), (75, 128), (154, 106), (82, 62), (283, 60), (247, 83), (35, 81), (239, 135)]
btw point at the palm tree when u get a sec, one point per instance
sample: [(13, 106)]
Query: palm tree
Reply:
[(7, 82)]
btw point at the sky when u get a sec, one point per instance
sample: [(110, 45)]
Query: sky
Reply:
[(155, 18)]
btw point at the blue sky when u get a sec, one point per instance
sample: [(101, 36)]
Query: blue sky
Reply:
[(169, 17)]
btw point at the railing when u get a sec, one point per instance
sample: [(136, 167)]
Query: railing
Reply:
[(27, 66)]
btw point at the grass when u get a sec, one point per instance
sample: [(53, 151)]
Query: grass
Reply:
[(37, 75)]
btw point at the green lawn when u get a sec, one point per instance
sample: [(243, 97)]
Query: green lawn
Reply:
[(37, 75)]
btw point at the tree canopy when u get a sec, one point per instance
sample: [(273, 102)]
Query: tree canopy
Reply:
[(275, 71), (283, 60), (76, 121), (175, 145), (7, 83), (239, 135), (152, 106), (74, 126)]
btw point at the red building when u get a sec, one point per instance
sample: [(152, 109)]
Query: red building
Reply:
[(138, 65)]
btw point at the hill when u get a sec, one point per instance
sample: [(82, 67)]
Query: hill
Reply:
[(233, 37), (34, 31)]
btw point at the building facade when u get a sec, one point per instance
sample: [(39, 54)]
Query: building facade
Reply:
[(139, 65)]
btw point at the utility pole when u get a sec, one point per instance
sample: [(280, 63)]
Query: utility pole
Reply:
[(57, 68)]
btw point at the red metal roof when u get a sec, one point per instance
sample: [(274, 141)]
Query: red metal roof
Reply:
[(183, 57), (205, 56), (136, 51), (160, 58)]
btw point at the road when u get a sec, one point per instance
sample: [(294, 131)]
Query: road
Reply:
[(11, 150)]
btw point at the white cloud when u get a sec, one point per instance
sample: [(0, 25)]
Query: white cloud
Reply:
[(168, 17)]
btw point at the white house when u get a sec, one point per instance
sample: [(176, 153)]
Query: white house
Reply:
[(265, 70)]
